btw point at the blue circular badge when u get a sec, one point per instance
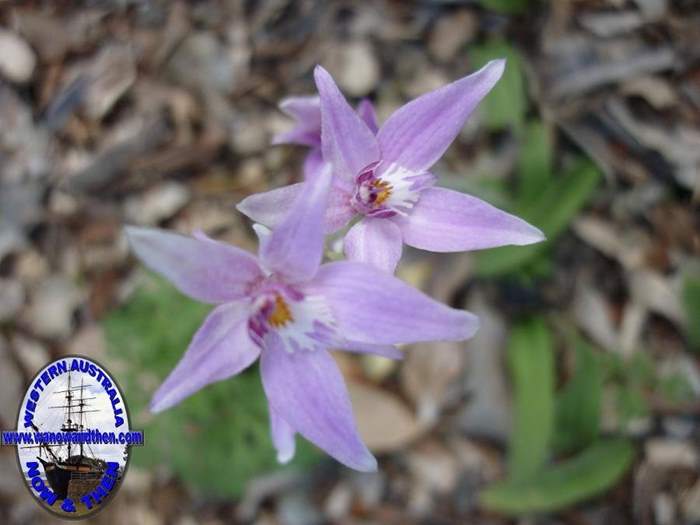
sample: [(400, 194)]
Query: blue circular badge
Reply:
[(73, 437)]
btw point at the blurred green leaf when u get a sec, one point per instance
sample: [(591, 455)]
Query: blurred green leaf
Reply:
[(506, 104), (676, 389), (691, 300), (631, 403), (628, 380), (579, 403), (640, 370), (534, 163), (531, 362), (218, 438), (584, 476), (557, 204), (507, 6), (612, 366)]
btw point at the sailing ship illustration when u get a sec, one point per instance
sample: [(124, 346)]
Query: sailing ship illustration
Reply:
[(71, 469)]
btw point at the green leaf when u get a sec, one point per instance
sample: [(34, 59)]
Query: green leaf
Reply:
[(507, 6), (506, 104), (579, 403), (218, 438), (676, 388), (640, 370), (631, 403), (582, 477), (531, 362), (556, 206), (691, 301), (534, 163)]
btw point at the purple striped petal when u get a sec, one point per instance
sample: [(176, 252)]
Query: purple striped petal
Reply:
[(388, 351), (374, 241), (306, 112), (271, 207), (313, 163), (282, 437), (374, 307), (207, 270), (309, 390), (449, 221), (295, 247), (339, 211), (347, 143), (418, 133), (262, 233), (220, 349), (367, 113)]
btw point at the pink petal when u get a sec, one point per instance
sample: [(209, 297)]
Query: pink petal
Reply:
[(374, 307), (262, 233), (448, 221), (306, 111), (295, 247), (418, 133), (313, 163), (282, 437), (388, 351), (220, 349), (347, 143), (376, 242), (207, 270), (339, 211), (308, 389), (367, 113), (269, 208)]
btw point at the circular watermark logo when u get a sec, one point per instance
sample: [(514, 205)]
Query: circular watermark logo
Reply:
[(73, 437)]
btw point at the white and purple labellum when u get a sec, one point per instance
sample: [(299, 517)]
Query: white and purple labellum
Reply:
[(292, 319), (385, 193)]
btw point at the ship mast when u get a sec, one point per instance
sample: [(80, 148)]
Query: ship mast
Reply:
[(82, 406), (69, 425)]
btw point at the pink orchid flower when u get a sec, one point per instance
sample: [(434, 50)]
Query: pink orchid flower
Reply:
[(289, 310), (381, 175)]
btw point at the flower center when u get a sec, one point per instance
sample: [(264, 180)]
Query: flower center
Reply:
[(283, 317), (374, 192), (280, 314), (394, 191)]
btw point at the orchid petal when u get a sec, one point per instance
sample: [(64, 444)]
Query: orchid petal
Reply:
[(262, 233), (295, 247), (313, 163), (347, 143), (374, 307), (339, 211), (388, 351), (367, 113), (449, 221), (306, 111), (282, 437), (374, 241), (309, 390), (207, 270), (220, 349), (271, 207), (418, 133)]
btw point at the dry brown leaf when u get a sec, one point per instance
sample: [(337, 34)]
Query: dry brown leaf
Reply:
[(426, 374), (384, 421)]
